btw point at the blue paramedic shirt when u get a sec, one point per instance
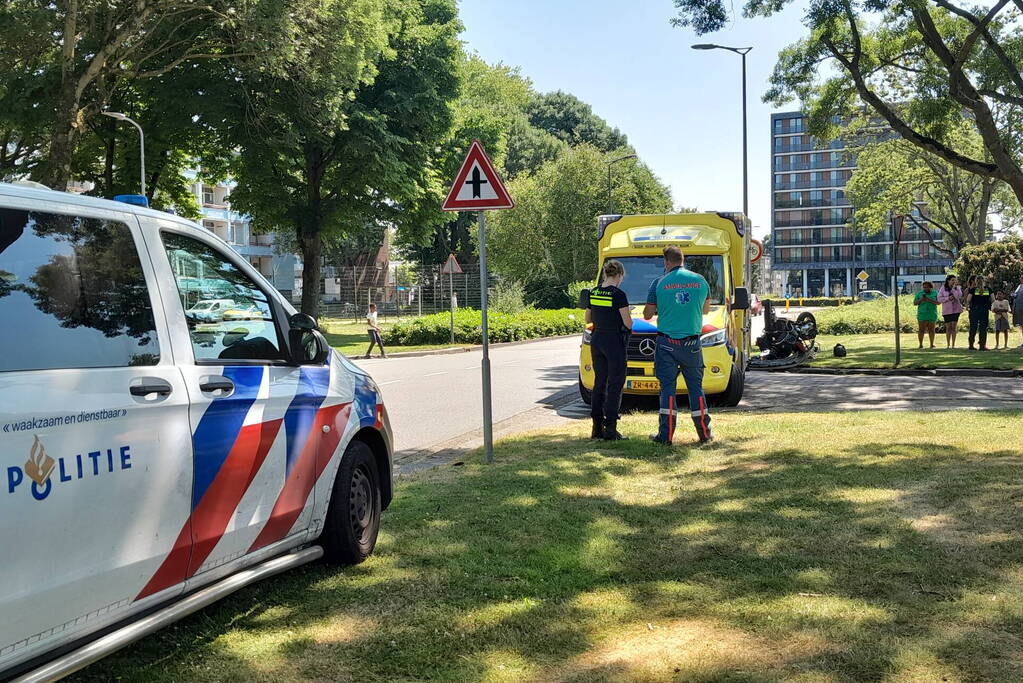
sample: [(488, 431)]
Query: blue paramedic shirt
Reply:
[(680, 295)]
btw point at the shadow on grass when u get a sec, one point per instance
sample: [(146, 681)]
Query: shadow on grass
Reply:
[(566, 561), (878, 351)]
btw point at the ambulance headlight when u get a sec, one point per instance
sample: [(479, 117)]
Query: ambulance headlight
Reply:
[(715, 338)]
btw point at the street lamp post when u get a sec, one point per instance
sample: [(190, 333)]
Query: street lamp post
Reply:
[(741, 51), (142, 144), (610, 205), (898, 220)]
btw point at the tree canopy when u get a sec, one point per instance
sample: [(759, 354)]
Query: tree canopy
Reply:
[(921, 66), (955, 207)]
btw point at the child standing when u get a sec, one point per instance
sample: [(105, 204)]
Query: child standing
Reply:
[(1000, 308), (926, 302)]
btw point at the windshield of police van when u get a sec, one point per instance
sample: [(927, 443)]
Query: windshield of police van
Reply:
[(640, 271)]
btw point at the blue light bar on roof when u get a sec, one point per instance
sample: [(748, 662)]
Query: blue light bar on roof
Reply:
[(134, 199)]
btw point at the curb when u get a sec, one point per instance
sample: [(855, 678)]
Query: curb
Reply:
[(465, 349), (900, 372)]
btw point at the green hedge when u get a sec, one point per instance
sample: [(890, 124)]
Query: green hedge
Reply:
[(529, 324), (870, 317), (813, 301)]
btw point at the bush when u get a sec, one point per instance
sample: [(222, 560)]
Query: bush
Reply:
[(529, 324), (508, 297), (871, 317), (574, 289), (1001, 262)]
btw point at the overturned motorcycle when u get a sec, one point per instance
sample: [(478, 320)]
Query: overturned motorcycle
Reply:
[(785, 344)]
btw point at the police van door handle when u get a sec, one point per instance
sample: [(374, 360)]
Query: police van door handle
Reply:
[(217, 384), (152, 387)]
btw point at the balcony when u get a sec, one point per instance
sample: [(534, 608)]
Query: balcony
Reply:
[(809, 185), (814, 165), (837, 202)]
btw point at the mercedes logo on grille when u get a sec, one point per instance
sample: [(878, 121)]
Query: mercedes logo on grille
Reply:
[(647, 347)]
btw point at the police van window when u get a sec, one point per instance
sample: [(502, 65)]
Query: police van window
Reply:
[(72, 294), (228, 316)]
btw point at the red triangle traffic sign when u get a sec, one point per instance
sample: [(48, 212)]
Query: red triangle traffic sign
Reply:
[(451, 266), (477, 185)]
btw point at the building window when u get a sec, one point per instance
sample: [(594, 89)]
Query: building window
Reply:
[(208, 195)]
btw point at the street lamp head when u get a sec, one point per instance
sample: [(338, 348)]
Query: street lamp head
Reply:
[(705, 46), (712, 46), (615, 161), (114, 115)]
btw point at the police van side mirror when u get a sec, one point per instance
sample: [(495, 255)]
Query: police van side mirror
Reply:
[(584, 298), (308, 346), (740, 299)]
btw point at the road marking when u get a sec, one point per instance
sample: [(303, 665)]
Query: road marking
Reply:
[(393, 381), (434, 374)]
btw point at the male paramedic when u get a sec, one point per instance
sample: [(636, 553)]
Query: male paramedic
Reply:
[(679, 298)]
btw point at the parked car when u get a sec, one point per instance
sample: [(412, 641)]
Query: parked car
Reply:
[(209, 310), (145, 459), (872, 294), (244, 313)]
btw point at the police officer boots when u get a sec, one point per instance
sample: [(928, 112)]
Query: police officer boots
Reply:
[(598, 428), (611, 432)]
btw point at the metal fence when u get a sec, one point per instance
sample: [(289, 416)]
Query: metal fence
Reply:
[(398, 291)]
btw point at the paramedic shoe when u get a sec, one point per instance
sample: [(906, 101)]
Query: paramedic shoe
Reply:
[(656, 438), (597, 432)]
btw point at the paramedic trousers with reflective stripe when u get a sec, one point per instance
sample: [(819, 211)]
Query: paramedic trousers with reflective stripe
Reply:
[(673, 355), (608, 349)]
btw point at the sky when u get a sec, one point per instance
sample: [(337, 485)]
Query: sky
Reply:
[(680, 108)]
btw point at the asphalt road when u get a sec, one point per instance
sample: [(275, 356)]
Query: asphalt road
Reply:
[(433, 399)]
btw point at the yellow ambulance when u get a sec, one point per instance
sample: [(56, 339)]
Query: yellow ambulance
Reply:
[(717, 246)]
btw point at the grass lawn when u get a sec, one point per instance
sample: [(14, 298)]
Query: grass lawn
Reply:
[(802, 547), (350, 338), (878, 351)]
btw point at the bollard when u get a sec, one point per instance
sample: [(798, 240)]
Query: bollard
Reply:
[(787, 302)]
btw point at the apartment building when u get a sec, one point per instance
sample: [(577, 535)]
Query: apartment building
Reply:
[(236, 229), (814, 246)]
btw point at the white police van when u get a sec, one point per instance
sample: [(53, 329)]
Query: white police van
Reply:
[(152, 461)]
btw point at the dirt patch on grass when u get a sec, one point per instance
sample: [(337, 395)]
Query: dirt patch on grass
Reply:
[(682, 649)]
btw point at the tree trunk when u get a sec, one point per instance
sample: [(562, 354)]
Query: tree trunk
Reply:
[(57, 174), (312, 261)]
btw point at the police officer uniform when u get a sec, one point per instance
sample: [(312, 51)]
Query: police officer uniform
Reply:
[(607, 345)]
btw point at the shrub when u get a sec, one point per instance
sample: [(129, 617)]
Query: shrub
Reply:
[(529, 324), (508, 297), (1002, 262), (871, 317), (574, 289)]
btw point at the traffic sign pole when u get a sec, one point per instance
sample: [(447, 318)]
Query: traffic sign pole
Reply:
[(488, 417), (478, 187)]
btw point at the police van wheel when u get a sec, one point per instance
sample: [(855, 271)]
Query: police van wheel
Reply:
[(353, 518), (584, 393)]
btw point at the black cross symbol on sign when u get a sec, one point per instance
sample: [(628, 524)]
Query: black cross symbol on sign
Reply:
[(477, 181)]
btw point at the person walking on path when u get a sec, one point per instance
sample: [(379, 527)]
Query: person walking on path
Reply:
[(609, 312), (978, 299), (1000, 307), (374, 332), (680, 298), (1017, 309), (951, 297), (926, 303)]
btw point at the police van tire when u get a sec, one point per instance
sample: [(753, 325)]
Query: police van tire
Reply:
[(353, 518), (732, 394), (584, 393)]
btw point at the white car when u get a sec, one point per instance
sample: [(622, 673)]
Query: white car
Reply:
[(144, 459), (872, 294), (209, 310)]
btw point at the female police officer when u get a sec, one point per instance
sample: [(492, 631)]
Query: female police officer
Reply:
[(612, 324)]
